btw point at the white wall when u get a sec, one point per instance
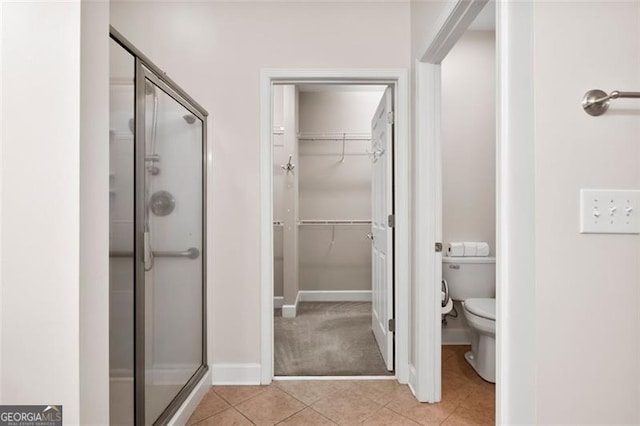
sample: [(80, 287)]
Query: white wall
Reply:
[(468, 140), (335, 257), (54, 309), (94, 207), (587, 286), (215, 51)]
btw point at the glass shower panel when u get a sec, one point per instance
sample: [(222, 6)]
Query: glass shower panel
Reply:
[(121, 235), (173, 245)]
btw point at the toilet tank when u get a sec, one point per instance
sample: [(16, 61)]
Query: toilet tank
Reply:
[(470, 277)]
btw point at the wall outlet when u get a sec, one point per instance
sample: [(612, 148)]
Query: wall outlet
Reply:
[(611, 211)]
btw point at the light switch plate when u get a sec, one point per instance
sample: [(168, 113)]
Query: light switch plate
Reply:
[(611, 211)]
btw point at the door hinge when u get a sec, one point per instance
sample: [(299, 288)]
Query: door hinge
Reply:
[(438, 247), (392, 325), (391, 117), (391, 221)]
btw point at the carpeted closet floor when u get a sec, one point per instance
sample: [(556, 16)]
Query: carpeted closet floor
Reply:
[(327, 339)]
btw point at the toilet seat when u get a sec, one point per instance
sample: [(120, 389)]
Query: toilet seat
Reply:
[(483, 308)]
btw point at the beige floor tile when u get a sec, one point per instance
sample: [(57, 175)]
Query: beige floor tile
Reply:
[(379, 391), (424, 413), (484, 397), (458, 366), (470, 416), (457, 388), (448, 351), (307, 391), (307, 417), (229, 417), (234, 395), (345, 407), (211, 404), (386, 417), (270, 407)]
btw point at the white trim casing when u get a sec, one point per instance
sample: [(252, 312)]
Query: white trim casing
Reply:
[(236, 374), (515, 162), (398, 78), (427, 158)]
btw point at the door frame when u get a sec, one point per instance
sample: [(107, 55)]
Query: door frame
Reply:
[(398, 78), (515, 394)]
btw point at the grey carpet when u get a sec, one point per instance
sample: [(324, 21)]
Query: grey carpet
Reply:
[(327, 339)]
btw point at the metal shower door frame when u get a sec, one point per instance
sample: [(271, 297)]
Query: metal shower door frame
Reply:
[(146, 70)]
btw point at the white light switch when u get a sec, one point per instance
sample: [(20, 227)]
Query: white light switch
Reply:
[(609, 211)]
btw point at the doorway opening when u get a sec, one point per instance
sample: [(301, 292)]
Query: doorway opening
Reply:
[(334, 301), (333, 239), (469, 214)]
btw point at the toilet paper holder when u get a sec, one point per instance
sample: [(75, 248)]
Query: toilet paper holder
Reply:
[(445, 289)]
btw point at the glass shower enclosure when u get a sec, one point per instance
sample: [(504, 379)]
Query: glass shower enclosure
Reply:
[(157, 240)]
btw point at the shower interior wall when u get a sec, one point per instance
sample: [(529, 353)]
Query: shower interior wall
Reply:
[(331, 257)]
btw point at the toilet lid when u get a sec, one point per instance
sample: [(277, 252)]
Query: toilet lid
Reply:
[(484, 308)]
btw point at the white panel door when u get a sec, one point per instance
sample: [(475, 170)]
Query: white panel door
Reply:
[(382, 234)]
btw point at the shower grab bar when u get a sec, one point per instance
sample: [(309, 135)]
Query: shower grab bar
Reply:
[(596, 102), (190, 253)]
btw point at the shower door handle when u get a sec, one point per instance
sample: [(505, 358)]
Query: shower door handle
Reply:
[(191, 253)]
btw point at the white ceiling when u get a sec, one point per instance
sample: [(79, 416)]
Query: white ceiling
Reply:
[(486, 20)]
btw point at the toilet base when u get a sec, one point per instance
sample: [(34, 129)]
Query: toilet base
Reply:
[(482, 357)]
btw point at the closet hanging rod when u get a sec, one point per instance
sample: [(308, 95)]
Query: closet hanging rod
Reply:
[(334, 222), (596, 102)]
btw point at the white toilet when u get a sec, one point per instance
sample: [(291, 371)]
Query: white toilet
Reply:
[(472, 280)]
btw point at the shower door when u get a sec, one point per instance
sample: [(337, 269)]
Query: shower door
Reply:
[(170, 346), (157, 247)]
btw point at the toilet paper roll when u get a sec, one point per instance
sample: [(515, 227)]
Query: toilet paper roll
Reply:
[(482, 249), (470, 249), (455, 249)]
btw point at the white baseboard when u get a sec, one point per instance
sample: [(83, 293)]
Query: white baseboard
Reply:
[(278, 301), (290, 311), (335, 296), (191, 403), (236, 374), (456, 336)]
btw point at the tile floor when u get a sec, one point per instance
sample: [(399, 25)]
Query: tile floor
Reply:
[(467, 399)]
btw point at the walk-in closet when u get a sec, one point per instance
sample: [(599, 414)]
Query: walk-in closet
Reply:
[(322, 196)]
